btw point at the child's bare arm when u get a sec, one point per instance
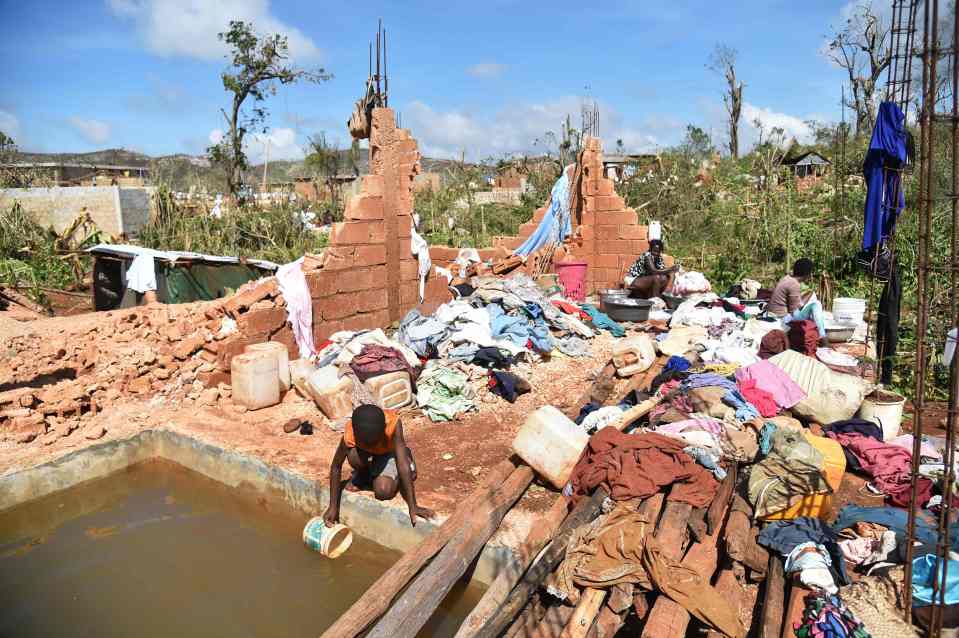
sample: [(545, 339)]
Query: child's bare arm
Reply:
[(406, 477), (332, 515)]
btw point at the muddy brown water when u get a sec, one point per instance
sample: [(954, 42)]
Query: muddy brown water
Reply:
[(158, 550)]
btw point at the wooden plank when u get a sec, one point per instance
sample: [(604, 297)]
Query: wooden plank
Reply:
[(553, 622), (772, 614), (599, 390), (697, 524), (585, 511), (671, 533), (670, 619), (730, 589), (379, 596), (540, 533), (585, 613), (795, 608), (419, 601), (723, 496), (741, 538), (526, 620)]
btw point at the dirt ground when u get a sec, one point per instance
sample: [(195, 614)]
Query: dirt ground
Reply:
[(451, 456)]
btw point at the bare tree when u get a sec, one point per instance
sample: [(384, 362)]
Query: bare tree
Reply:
[(257, 64), (862, 48), (723, 62)]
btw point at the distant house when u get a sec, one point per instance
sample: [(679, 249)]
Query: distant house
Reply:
[(806, 164), (78, 174), (620, 166)]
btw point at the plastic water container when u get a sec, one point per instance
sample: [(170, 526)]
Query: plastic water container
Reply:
[(392, 390), (282, 360), (335, 401), (300, 370), (950, 348), (255, 380), (572, 276), (551, 444), (634, 355), (848, 309), (655, 230), (332, 542), (885, 411)]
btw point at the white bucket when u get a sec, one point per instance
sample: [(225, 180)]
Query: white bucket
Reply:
[(848, 309), (886, 413), (332, 542)]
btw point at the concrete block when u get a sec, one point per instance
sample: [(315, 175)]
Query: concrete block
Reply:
[(607, 232), (633, 231), (364, 207)]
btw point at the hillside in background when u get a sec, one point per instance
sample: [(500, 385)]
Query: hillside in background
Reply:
[(181, 171)]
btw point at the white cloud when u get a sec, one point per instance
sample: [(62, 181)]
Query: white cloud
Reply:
[(9, 124), (93, 131), (792, 126), (521, 128), (215, 136), (189, 28), (283, 145), (486, 70)]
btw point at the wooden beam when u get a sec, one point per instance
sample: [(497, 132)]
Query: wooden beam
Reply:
[(721, 502), (668, 619), (379, 596), (730, 589), (740, 540), (585, 511), (585, 613), (772, 614), (419, 601), (540, 533), (553, 622)]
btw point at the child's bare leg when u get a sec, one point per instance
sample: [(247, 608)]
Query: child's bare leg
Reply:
[(360, 480)]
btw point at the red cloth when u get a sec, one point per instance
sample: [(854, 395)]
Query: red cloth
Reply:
[(764, 402), (804, 337), (773, 343), (374, 360), (640, 465), (889, 466), (570, 309)]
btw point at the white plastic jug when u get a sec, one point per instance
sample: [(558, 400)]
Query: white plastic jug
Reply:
[(885, 411), (335, 401), (551, 444), (634, 355), (256, 383), (300, 370), (392, 390), (282, 360)]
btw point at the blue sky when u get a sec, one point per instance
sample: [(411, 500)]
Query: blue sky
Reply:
[(484, 78)]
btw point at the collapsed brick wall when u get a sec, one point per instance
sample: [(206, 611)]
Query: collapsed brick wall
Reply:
[(367, 277), (607, 234)]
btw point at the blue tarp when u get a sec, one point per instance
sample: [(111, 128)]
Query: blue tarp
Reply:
[(886, 154), (556, 224)]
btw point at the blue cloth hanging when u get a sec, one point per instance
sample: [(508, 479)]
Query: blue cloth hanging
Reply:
[(886, 155), (556, 224)]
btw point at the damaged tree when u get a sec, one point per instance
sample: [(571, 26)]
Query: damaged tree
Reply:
[(862, 49), (723, 62), (258, 63)]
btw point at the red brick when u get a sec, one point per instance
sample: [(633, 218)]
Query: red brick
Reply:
[(607, 261), (443, 253), (620, 218), (369, 300), (336, 307), (408, 269), (409, 294), (539, 214), (263, 321), (614, 246), (607, 232), (587, 218), (436, 287), (321, 284), (248, 297), (372, 255), (403, 229), (632, 232), (639, 246), (372, 185), (285, 336), (358, 232), (360, 279), (364, 207), (367, 321), (599, 187)]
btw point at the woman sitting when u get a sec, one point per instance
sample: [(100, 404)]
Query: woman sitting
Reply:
[(649, 277)]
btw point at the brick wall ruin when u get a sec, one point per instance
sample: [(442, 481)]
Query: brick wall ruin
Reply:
[(607, 234), (367, 277)]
